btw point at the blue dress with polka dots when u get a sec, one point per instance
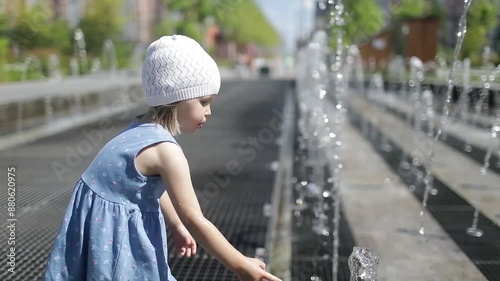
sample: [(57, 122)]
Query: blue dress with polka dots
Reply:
[(113, 227)]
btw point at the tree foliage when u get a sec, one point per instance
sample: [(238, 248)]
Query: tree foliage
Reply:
[(192, 15), (412, 9), (245, 23), (363, 19), (103, 19), (409, 9), (481, 19), (241, 20), (35, 27)]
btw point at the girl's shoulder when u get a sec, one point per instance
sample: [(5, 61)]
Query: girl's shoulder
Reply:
[(146, 130), (138, 136)]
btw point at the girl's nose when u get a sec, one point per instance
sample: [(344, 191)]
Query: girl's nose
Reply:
[(209, 111)]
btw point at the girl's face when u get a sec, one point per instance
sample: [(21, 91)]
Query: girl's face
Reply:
[(191, 114)]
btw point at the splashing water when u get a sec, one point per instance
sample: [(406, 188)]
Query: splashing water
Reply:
[(29, 62), (464, 101), (462, 30), (494, 134), (337, 21), (474, 230)]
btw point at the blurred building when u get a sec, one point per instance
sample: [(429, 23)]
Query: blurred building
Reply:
[(142, 15), (414, 37)]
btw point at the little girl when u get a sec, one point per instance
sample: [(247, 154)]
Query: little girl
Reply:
[(114, 227)]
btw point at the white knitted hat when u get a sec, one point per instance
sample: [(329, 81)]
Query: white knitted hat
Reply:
[(177, 68)]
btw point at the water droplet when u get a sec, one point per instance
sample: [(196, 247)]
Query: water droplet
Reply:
[(421, 230), (483, 171), (468, 148), (315, 74)]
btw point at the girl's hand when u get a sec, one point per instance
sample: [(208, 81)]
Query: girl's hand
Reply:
[(255, 270), (184, 243)]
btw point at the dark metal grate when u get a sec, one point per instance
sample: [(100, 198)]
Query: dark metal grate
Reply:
[(304, 267), (237, 210), (477, 154), (312, 253), (451, 211)]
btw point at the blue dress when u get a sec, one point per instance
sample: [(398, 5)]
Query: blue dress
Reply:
[(113, 227)]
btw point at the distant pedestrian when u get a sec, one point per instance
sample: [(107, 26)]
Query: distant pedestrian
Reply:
[(114, 227)]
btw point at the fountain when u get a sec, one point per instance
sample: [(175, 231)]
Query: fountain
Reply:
[(75, 69), (323, 103), (29, 62), (109, 60), (363, 265), (54, 68), (494, 134), (79, 63), (462, 29), (96, 66), (137, 57)]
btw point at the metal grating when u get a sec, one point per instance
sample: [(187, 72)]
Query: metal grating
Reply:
[(304, 267), (312, 253), (237, 210), (452, 212), (477, 154)]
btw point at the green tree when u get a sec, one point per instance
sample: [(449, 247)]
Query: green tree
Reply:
[(414, 9), (4, 53), (481, 19), (103, 19), (363, 19), (192, 16), (243, 22), (408, 9), (31, 27)]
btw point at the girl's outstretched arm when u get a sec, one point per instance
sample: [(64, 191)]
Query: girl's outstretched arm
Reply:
[(173, 167), (168, 211), (185, 245)]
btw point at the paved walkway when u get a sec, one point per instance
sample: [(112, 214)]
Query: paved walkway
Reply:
[(459, 185)]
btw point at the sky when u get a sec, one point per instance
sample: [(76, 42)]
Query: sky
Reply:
[(285, 15)]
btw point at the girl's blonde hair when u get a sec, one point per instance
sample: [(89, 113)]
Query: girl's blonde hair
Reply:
[(166, 116)]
